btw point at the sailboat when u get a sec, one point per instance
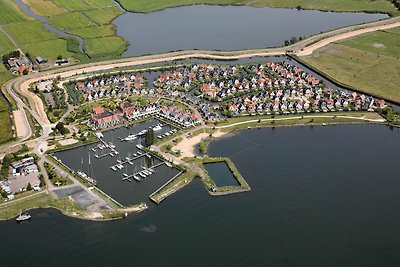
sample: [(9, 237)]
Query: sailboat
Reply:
[(90, 178)]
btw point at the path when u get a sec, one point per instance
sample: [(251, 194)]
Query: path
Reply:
[(9, 36)]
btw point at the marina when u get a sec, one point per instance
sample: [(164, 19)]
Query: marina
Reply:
[(110, 164)]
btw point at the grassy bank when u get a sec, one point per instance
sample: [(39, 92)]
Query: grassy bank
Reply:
[(369, 63), (6, 133), (383, 6), (210, 184)]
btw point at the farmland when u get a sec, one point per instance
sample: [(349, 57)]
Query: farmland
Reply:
[(5, 130), (369, 63)]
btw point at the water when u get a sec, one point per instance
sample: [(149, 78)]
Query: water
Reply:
[(221, 174), (46, 24), (321, 196), (226, 27), (110, 181)]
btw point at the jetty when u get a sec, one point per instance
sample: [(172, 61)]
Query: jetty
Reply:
[(128, 160), (146, 171)]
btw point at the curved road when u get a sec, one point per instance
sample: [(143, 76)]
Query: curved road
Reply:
[(305, 47)]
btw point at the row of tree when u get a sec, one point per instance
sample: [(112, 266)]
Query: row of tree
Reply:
[(396, 3)]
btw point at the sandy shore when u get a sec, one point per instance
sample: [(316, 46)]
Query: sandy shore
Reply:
[(19, 123), (188, 145)]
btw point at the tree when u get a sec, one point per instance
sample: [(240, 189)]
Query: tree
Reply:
[(150, 137), (25, 72), (299, 7), (29, 187), (59, 57)]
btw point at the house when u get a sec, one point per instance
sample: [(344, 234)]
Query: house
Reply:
[(41, 60), (102, 118)]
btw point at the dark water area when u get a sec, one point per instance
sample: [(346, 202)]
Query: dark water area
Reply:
[(125, 192), (221, 174), (321, 196), (226, 27)]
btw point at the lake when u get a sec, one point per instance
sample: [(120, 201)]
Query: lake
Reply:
[(226, 27), (321, 196), (221, 174)]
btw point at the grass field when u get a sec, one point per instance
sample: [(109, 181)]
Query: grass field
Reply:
[(5, 129), (31, 31), (10, 13), (103, 16), (49, 48), (72, 5), (95, 32), (383, 6), (5, 44), (97, 47), (45, 7), (71, 20), (362, 64)]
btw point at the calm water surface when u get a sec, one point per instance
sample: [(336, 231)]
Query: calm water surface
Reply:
[(221, 174), (322, 196), (226, 27)]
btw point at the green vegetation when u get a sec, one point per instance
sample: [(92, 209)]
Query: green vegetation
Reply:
[(44, 8), (149, 137), (71, 20), (100, 47), (369, 63), (13, 208), (384, 6), (95, 32), (55, 177), (6, 133), (11, 13), (210, 184), (103, 16)]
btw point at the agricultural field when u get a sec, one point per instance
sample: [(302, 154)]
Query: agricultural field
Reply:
[(103, 16), (72, 5), (383, 6), (11, 13), (5, 44), (5, 129), (49, 48), (95, 32), (97, 47), (71, 20), (369, 63), (27, 32), (45, 8)]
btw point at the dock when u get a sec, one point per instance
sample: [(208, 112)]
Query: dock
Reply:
[(137, 175), (128, 160)]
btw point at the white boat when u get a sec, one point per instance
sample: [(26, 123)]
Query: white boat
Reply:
[(167, 133), (127, 158), (136, 178), (139, 153), (148, 155), (114, 168), (120, 166), (130, 162), (142, 174), (168, 164), (112, 154), (135, 155), (116, 152), (159, 137), (23, 217), (119, 161), (143, 132), (130, 137), (157, 128), (111, 145), (139, 146), (125, 175), (94, 149), (146, 172)]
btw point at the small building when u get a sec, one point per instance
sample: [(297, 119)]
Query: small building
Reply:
[(41, 60)]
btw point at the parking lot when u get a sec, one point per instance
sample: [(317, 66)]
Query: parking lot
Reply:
[(18, 183)]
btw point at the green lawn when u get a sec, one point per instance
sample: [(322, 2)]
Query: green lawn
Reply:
[(100, 3), (5, 129), (5, 44), (32, 31), (98, 47), (95, 31), (336, 5), (71, 20), (49, 49), (10, 12), (72, 5), (44, 7), (366, 71), (103, 16)]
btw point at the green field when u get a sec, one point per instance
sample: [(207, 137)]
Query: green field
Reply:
[(72, 5), (45, 7), (5, 129), (31, 31), (71, 20), (103, 16), (383, 6), (5, 44), (99, 47), (369, 63), (49, 49), (95, 32), (10, 13)]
